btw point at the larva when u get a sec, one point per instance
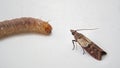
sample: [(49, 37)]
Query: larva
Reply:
[(23, 25)]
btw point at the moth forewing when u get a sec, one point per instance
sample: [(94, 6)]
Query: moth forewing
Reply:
[(84, 41)]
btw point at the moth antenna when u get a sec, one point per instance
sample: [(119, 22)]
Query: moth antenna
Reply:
[(86, 29)]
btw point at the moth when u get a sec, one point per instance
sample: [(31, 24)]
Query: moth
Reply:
[(23, 25), (93, 49)]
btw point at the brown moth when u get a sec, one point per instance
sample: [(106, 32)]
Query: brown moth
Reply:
[(88, 45), (23, 25)]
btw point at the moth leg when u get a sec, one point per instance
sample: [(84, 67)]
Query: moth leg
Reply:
[(73, 41), (83, 51)]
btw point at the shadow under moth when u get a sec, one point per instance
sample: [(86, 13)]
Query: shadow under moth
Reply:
[(94, 50), (23, 25)]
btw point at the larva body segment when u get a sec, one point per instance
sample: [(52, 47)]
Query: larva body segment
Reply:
[(23, 25)]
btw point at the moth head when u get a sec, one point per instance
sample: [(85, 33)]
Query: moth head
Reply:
[(73, 32)]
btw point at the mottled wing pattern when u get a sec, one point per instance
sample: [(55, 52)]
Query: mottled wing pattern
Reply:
[(95, 51), (90, 47)]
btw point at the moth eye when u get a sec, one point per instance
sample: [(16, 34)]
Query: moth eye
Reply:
[(73, 33)]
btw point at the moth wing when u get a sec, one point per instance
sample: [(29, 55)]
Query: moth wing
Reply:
[(84, 41), (95, 51)]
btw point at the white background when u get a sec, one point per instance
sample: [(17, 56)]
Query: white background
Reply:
[(55, 51)]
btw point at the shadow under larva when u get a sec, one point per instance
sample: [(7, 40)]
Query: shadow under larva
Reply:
[(24, 25)]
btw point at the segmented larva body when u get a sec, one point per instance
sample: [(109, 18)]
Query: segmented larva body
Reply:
[(23, 25)]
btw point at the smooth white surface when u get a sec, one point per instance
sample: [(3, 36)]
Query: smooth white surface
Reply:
[(55, 51)]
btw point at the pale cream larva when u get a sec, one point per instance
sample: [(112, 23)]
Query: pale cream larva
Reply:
[(23, 25)]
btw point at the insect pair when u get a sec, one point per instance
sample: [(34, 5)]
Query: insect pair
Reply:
[(86, 44), (28, 24)]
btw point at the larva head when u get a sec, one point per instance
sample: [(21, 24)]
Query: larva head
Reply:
[(73, 32), (43, 27), (47, 27)]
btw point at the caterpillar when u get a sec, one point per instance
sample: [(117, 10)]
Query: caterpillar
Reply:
[(23, 25)]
